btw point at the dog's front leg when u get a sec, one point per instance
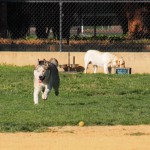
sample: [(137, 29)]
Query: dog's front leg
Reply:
[(46, 92), (36, 95), (106, 69), (109, 70), (95, 68), (85, 67)]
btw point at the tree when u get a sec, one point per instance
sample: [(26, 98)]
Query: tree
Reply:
[(138, 20), (18, 19), (3, 20), (121, 16)]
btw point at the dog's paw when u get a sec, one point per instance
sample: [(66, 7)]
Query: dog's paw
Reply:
[(56, 93), (44, 97)]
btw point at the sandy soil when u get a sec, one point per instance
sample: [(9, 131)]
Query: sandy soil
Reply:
[(80, 138)]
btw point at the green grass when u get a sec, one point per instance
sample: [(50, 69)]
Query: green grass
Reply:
[(97, 99)]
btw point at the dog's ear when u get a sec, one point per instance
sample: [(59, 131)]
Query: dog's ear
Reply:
[(38, 61), (117, 61), (122, 62), (44, 60)]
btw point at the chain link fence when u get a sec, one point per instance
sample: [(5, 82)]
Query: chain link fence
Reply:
[(74, 25)]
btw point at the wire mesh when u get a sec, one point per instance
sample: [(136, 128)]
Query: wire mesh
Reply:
[(74, 26)]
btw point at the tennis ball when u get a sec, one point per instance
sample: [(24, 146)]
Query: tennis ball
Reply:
[(81, 123)]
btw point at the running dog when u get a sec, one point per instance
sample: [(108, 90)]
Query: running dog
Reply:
[(46, 77), (103, 59)]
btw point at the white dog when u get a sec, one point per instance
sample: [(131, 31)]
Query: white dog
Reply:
[(103, 59), (46, 77)]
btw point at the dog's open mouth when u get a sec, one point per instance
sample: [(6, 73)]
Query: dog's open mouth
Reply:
[(41, 78), (40, 81)]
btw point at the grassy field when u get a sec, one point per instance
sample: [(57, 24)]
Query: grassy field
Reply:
[(97, 99)]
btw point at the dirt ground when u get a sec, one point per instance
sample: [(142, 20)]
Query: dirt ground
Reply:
[(80, 138)]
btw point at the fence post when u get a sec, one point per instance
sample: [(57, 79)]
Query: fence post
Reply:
[(60, 26)]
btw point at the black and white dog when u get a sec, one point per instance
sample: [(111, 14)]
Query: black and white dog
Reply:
[(46, 77)]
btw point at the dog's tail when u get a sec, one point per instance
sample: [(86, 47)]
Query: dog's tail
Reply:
[(54, 61)]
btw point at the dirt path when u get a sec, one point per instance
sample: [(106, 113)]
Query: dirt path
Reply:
[(80, 138)]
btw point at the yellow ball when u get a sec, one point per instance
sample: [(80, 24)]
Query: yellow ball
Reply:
[(81, 123)]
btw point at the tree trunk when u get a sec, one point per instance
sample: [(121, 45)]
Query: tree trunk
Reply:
[(121, 16), (3, 20)]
